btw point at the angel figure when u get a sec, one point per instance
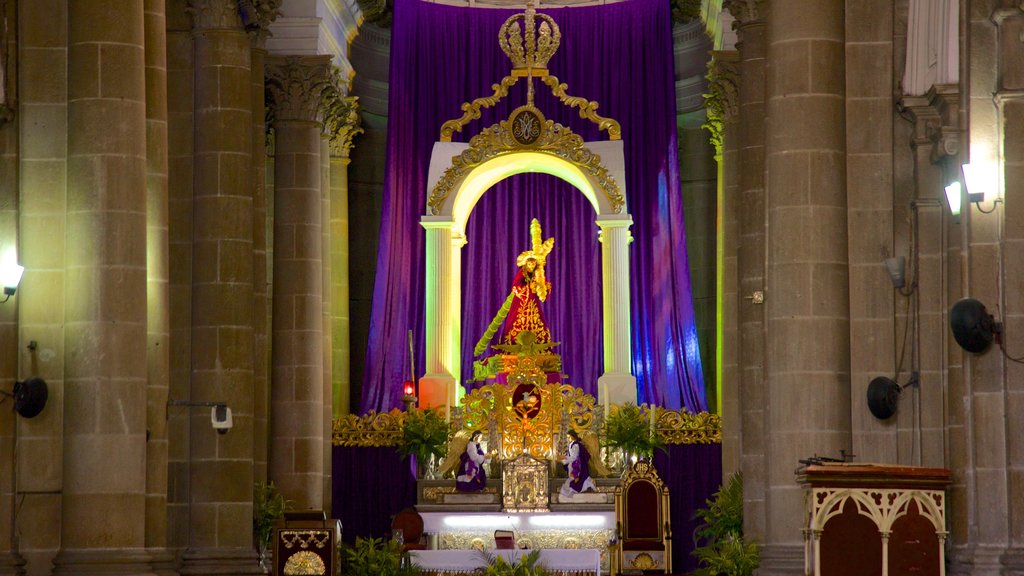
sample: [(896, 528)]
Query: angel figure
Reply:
[(578, 463), (466, 452)]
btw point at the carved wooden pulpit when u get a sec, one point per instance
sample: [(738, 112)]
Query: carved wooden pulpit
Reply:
[(874, 519)]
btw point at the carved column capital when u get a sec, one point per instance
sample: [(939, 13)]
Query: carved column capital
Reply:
[(936, 121), (214, 14), (295, 85), (746, 11), (341, 121), (257, 16), (722, 101)]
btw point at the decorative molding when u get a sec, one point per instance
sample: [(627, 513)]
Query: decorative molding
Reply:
[(499, 139), (936, 121), (379, 12), (684, 11), (295, 85), (257, 16), (746, 11), (214, 14), (341, 121), (722, 100)]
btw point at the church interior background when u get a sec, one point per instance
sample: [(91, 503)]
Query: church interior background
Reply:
[(246, 225)]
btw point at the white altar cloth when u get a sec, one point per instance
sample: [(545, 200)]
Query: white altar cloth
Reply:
[(554, 559)]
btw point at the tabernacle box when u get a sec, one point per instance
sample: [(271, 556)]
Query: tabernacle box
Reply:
[(504, 539)]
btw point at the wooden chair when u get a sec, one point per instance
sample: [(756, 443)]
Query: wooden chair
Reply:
[(642, 522), (410, 523)]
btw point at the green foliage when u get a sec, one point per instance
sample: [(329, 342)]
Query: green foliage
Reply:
[(723, 549), (525, 566), (425, 432), (268, 506), (627, 428), (377, 557)]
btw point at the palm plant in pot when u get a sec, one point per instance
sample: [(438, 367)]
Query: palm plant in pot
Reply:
[(268, 506), (722, 549), (424, 435), (627, 429)]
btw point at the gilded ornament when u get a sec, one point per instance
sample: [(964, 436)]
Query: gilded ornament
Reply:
[(535, 47), (644, 561), (304, 563), (305, 539), (499, 139)]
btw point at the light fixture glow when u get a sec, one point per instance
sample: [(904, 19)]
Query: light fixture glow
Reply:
[(10, 277), (981, 181), (953, 198), (487, 521), (570, 521)]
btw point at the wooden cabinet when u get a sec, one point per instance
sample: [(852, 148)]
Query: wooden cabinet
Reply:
[(872, 519), (306, 543)]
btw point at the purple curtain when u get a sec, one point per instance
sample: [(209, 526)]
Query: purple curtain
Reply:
[(692, 473), (619, 55), (369, 486)]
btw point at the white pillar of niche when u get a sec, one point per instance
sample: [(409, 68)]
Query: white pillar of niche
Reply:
[(617, 385), (443, 286)]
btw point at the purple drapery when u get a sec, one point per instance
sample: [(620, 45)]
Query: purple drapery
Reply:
[(619, 55)]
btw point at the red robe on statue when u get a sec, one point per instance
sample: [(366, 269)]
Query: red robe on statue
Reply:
[(525, 312)]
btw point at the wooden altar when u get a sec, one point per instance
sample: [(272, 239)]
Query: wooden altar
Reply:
[(874, 519)]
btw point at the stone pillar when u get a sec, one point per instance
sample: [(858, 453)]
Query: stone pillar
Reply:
[(343, 126), (221, 465), (180, 82), (437, 386), (297, 396), (617, 385), (807, 296), (722, 122), (157, 266), (261, 15), (325, 279), (105, 294), (935, 144), (751, 20), (1010, 102), (11, 561)]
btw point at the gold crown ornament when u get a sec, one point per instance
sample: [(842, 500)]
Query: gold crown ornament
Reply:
[(533, 47)]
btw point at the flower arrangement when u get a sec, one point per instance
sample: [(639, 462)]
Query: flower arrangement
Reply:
[(424, 434), (268, 506), (627, 429), (527, 565), (377, 557)]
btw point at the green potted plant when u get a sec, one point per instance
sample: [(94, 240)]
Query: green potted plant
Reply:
[(377, 557), (424, 434), (268, 506), (527, 565), (628, 430), (722, 549)]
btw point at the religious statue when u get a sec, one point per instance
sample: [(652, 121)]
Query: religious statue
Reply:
[(465, 449), (524, 331), (577, 463)]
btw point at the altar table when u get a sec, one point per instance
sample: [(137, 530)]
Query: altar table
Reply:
[(567, 562)]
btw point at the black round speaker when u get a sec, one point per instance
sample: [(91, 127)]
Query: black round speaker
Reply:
[(883, 393), (972, 326), (30, 397)]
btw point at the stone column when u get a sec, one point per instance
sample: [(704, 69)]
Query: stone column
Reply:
[(343, 125), (751, 23), (297, 396), (325, 279), (722, 122), (11, 561), (221, 465), (617, 385), (807, 296), (180, 81), (1010, 101), (261, 14), (103, 515), (158, 304)]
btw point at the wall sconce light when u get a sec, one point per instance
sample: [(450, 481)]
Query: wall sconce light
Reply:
[(10, 277), (978, 182)]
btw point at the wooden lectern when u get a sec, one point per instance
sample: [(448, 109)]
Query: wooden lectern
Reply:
[(306, 543), (874, 519)]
